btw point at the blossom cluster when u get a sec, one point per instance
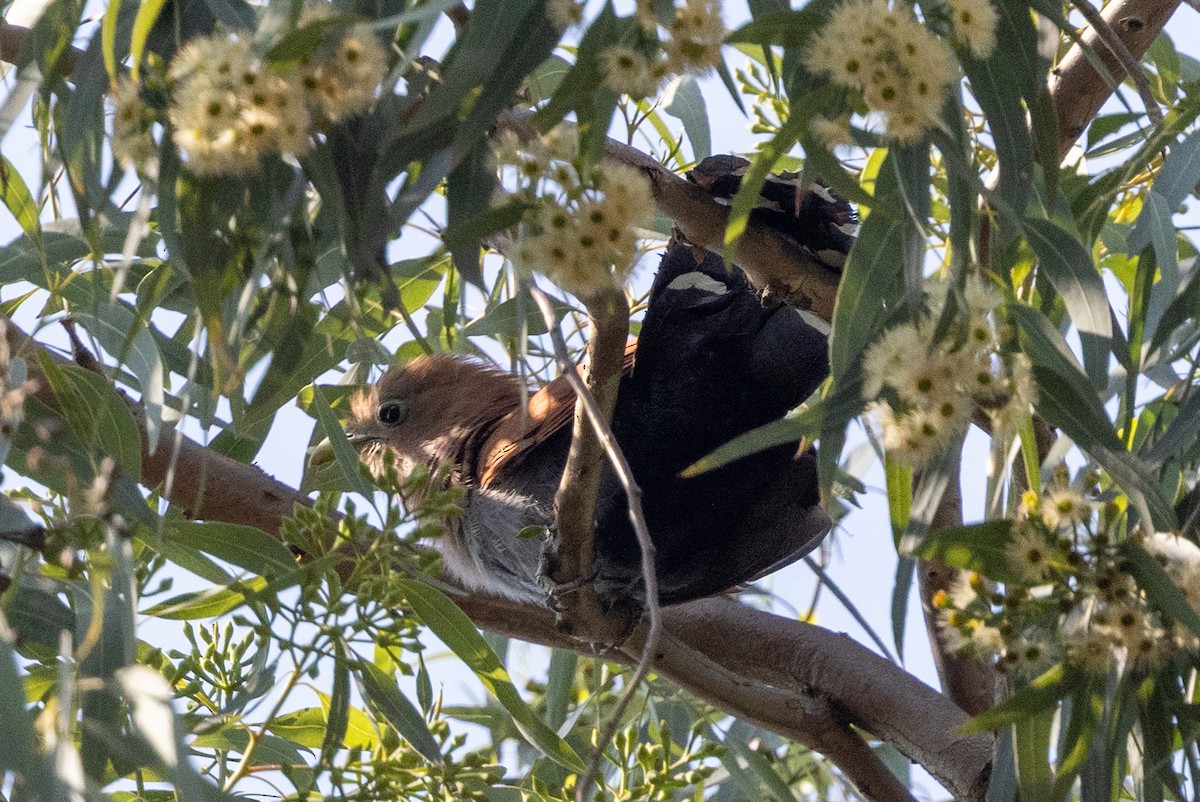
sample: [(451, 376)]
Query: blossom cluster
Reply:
[(580, 230), (894, 63), (1069, 596), (690, 43), (230, 107), (934, 384)]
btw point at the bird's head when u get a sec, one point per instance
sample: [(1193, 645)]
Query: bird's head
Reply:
[(425, 410)]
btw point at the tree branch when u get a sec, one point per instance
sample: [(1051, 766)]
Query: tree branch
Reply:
[(862, 687), (1078, 88), (1120, 52), (568, 559), (587, 406), (970, 682)]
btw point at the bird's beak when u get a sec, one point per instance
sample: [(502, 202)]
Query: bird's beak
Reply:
[(322, 452)]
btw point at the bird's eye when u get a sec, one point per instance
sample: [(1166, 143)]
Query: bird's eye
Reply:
[(391, 413)]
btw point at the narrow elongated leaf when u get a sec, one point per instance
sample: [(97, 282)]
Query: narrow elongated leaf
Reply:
[(20, 202), (337, 705), (244, 546), (130, 341), (873, 275), (147, 15), (208, 603), (269, 750), (747, 196), (981, 547), (1043, 694), (458, 632), (343, 452), (788, 429), (1031, 747), (1069, 268), (96, 413), (108, 38), (1087, 706), (787, 28), (19, 754), (684, 101), (469, 190), (402, 714), (1066, 400), (1160, 589), (1180, 171)]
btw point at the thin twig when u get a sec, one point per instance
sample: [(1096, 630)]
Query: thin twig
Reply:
[(1127, 60), (636, 516)]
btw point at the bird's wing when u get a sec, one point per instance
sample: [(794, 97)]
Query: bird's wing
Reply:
[(520, 432)]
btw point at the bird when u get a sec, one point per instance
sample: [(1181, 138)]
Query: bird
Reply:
[(821, 223), (711, 362)]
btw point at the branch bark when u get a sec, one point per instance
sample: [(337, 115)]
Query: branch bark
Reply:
[(1078, 88), (568, 560), (970, 682)]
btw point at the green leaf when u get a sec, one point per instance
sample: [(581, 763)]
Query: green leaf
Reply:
[(147, 15), (1183, 307), (269, 750), (1087, 706), (1161, 590), (1180, 172), (343, 452), (402, 714), (451, 624), (96, 413), (505, 318), (20, 752), (208, 603), (38, 616), (1012, 73), (336, 705), (469, 216), (787, 28), (788, 429), (20, 202), (108, 38), (1031, 746), (305, 727), (871, 280), (360, 731), (899, 479), (246, 547), (560, 682), (684, 101), (747, 196), (1069, 268), (981, 547), (129, 340), (1066, 400), (1042, 694)]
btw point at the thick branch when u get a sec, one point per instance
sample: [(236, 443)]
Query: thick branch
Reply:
[(1129, 64), (1078, 89), (864, 688), (970, 682)]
